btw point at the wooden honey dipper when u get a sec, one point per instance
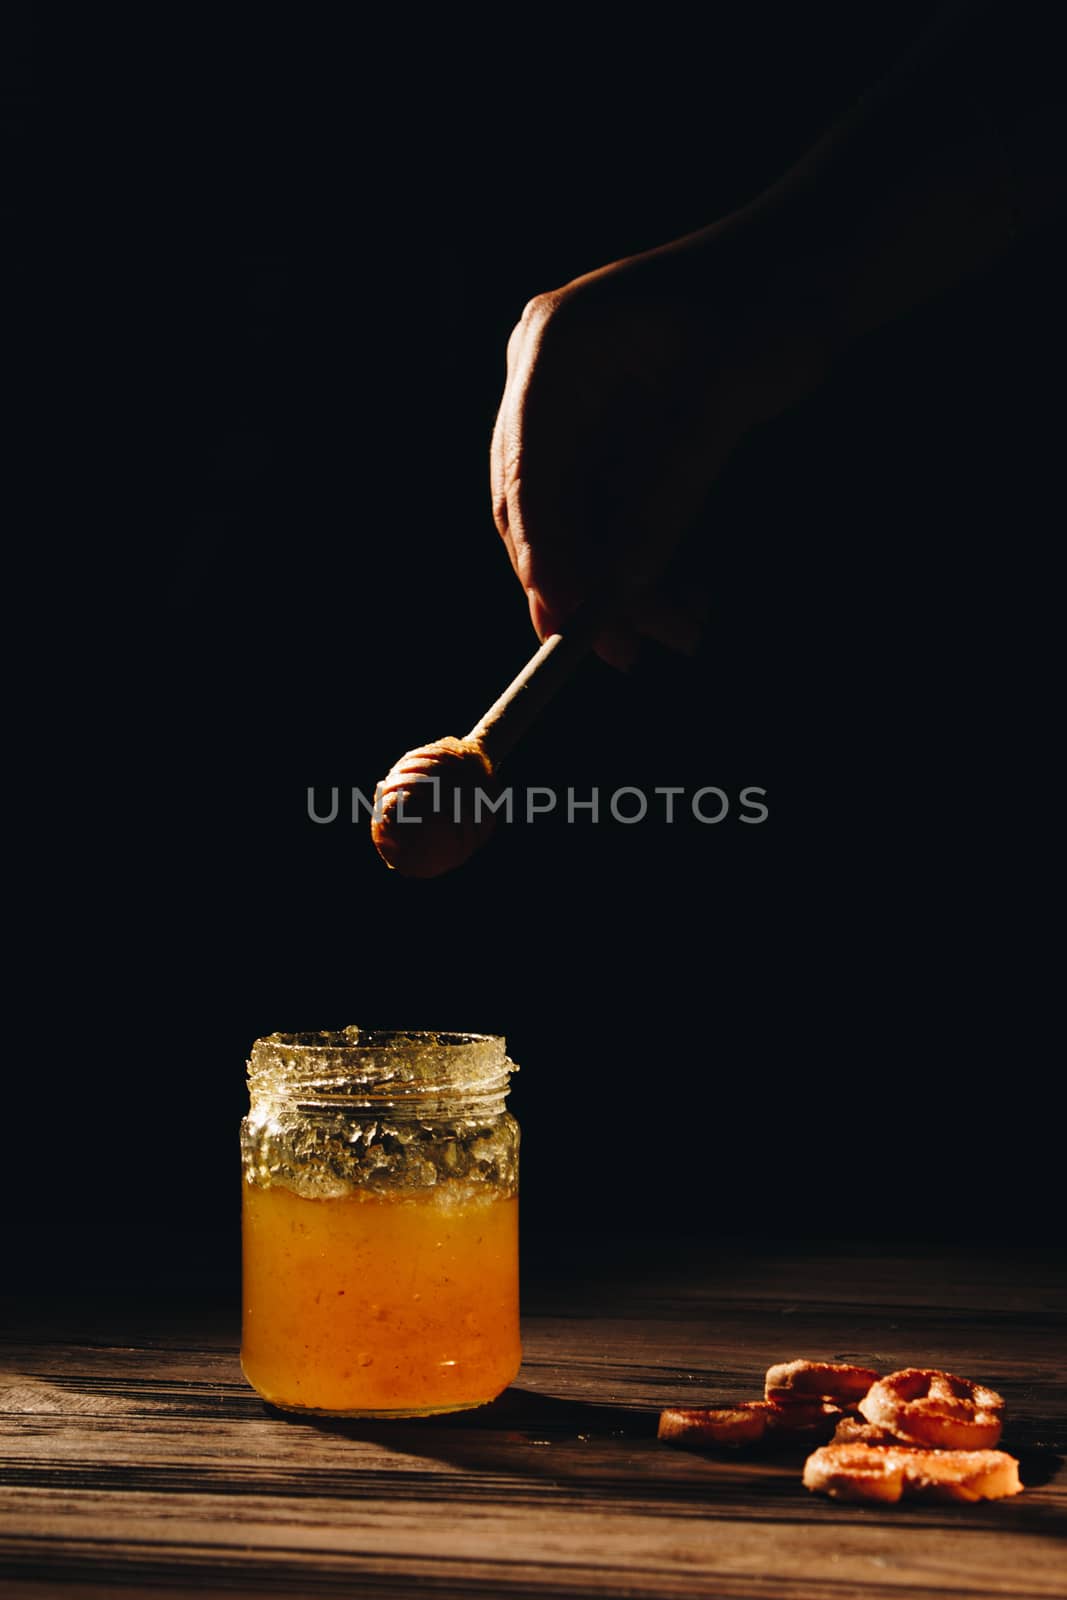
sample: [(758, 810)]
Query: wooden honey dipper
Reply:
[(423, 828)]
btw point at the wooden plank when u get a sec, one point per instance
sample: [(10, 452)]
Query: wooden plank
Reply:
[(134, 1458), (252, 1542)]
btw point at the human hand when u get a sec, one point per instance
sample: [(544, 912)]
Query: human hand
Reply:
[(626, 392)]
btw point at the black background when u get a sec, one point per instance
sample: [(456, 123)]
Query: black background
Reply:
[(267, 270)]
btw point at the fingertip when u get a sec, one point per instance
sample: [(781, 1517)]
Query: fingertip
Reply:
[(677, 624), (543, 621), (619, 646), (678, 632), (550, 616)]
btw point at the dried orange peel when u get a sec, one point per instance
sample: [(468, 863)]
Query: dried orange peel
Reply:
[(891, 1473), (923, 1406)]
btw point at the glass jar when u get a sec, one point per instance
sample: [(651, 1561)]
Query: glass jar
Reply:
[(379, 1222)]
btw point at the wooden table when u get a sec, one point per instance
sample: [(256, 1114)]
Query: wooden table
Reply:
[(135, 1459)]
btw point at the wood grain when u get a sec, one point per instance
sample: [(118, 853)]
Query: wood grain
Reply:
[(135, 1460)]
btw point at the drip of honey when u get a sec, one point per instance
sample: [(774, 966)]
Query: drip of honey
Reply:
[(371, 1304)]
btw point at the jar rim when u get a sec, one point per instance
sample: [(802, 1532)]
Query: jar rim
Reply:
[(356, 1039), (378, 1066)]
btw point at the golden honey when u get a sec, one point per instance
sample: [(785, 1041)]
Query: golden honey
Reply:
[(380, 1223), (364, 1303)]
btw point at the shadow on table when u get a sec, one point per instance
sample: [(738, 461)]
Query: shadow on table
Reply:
[(524, 1434), (1037, 1466), (518, 1415), (573, 1446)]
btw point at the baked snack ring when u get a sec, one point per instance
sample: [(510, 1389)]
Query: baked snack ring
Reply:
[(853, 1430), (887, 1473), (712, 1425), (924, 1406), (855, 1472), (818, 1380), (747, 1422), (810, 1420), (962, 1475)]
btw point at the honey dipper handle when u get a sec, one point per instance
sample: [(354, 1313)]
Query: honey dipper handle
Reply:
[(508, 718)]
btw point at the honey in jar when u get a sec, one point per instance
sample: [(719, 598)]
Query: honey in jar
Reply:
[(380, 1223)]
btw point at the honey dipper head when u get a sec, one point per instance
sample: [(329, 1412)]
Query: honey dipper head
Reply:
[(429, 816)]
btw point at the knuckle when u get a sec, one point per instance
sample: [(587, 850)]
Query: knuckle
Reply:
[(537, 310), (538, 313)]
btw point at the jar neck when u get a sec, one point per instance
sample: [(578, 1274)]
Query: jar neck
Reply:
[(354, 1072)]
